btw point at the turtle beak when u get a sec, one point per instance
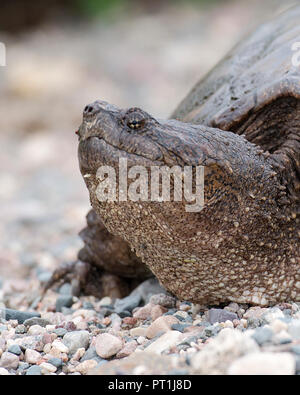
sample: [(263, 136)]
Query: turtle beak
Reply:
[(78, 132)]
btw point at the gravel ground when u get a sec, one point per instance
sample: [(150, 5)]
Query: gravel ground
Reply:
[(51, 74), (148, 333)]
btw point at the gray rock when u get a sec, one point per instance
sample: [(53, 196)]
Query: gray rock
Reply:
[(20, 316), (163, 300), (75, 340), (148, 288), (60, 331), (179, 327), (65, 289), (66, 310), (44, 276), (125, 313), (34, 342), (211, 331), (63, 301), (87, 305), (22, 367), (34, 370), (191, 339), (184, 319), (297, 364), (57, 362), (20, 329), (220, 315), (170, 312), (178, 372), (91, 354), (128, 303), (36, 321), (262, 335), (15, 349)]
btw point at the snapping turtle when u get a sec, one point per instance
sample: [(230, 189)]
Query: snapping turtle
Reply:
[(241, 123)]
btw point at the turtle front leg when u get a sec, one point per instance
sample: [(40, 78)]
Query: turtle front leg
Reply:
[(106, 265), (72, 272)]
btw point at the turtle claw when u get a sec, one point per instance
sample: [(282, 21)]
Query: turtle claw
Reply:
[(75, 273), (87, 279)]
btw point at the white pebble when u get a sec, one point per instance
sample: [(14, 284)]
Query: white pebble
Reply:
[(263, 363), (228, 324), (47, 348), (278, 326), (32, 356), (50, 328), (107, 345), (86, 366), (47, 368), (36, 330), (141, 339), (78, 354), (60, 346), (4, 372)]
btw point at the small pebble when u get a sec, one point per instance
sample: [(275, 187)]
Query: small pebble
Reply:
[(36, 321), (47, 368), (32, 356), (163, 323), (107, 345), (75, 340), (220, 315), (262, 335), (163, 300), (86, 366), (57, 362), (60, 331), (20, 316), (4, 372), (9, 360), (138, 331), (15, 349), (128, 303), (264, 363), (63, 301), (34, 370), (36, 330)]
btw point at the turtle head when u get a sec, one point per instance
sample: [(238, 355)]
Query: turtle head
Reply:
[(230, 185), (108, 133)]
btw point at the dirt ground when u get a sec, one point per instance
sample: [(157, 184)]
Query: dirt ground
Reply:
[(145, 60)]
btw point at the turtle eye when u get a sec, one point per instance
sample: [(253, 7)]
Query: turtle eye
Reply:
[(134, 124), (135, 118)]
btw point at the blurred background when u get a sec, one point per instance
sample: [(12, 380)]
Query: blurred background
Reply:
[(61, 55)]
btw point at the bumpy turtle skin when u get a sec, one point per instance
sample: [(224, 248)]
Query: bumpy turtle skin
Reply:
[(244, 245), (109, 252)]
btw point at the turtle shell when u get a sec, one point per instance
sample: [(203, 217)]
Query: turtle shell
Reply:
[(255, 91)]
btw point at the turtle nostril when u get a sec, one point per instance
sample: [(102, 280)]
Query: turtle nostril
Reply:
[(90, 109)]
